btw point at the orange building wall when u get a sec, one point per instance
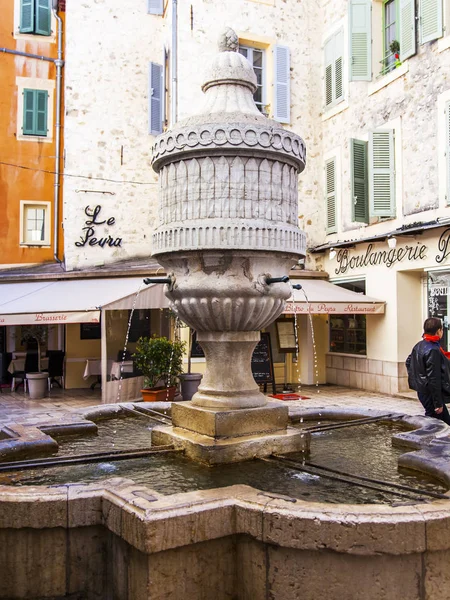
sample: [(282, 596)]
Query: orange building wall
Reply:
[(28, 179)]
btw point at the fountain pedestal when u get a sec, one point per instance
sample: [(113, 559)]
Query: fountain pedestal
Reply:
[(222, 436)]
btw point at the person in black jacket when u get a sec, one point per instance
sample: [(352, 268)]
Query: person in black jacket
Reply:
[(429, 371)]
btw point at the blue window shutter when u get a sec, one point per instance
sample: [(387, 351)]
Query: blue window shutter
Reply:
[(359, 181), (43, 17), (29, 97), (430, 20), (155, 7), (26, 16), (407, 29), (360, 40), (330, 187), (447, 151), (282, 101), (41, 109), (382, 173), (156, 98)]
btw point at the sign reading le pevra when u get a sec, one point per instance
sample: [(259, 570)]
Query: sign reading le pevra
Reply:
[(89, 237)]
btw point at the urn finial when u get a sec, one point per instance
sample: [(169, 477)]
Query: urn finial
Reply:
[(228, 41)]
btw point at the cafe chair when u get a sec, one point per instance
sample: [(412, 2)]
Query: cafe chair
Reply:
[(55, 368), (31, 366)]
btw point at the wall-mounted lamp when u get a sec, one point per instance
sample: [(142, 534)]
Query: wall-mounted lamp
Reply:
[(332, 254), (392, 241)]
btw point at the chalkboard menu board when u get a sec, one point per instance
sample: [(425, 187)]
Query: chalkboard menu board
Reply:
[(262, 363), (90, 331)]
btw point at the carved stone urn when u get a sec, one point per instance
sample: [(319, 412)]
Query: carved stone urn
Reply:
[(228, 226)]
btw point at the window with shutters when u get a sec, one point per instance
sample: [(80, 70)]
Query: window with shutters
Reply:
[(331, 195), (271, 97), (35, 108), (35, 17), (391, 45), (35, 223), (334, 69)]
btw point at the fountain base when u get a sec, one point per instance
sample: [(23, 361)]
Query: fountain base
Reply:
[(216, 437)]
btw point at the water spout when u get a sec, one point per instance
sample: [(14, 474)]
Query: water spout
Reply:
[(270, 280)]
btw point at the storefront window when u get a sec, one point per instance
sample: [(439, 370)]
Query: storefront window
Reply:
[(348, 332), (439, 301)]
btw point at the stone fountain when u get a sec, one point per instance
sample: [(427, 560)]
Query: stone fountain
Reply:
[(228, 236)]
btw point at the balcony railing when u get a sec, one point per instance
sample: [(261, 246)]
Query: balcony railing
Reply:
[(388, 64)]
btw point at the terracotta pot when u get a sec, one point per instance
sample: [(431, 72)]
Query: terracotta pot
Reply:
[(161, 394)]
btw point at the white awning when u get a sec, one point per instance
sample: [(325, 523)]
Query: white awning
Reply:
[(74, 300), (327, 298)]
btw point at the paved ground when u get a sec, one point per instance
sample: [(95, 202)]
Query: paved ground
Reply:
[(16, 406)]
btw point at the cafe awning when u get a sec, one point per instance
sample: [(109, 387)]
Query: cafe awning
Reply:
[(321, 297), (74, 300)]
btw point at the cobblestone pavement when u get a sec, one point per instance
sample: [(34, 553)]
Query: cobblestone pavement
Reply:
[(18, 406)]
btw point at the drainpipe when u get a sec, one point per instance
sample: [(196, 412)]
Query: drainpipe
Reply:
[(173, 67), (59, 63)]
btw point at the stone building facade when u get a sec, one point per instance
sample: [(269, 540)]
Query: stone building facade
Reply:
[(374, 116)]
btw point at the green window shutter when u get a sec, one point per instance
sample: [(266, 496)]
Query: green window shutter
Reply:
[(155, 7), (430, 20), (382, 173), (330, 185), (29, 99), (26, 16), (282, 76), (43, 17), (41, 105), (156, 99), (360, 40), (339, 65), (329, 68), (359, 179), (407, 29), (447, 151)]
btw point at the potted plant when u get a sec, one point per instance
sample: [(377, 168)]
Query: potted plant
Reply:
[(394, 47), (38, 381), (189, 381), (161, 362)]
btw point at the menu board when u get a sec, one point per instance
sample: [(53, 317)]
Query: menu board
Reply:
[(262, 363), (90, 331), (286, 335)]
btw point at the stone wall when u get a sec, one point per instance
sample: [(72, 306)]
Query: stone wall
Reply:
[(108, 51), (367, 374), (120, 540)]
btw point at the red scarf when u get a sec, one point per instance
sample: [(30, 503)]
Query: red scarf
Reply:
[(436, 338)]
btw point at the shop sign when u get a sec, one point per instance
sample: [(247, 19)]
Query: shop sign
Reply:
[(51, 318), (340, 308), (90, 235), (378, 257)]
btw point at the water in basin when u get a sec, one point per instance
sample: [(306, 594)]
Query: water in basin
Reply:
[(173, 473)]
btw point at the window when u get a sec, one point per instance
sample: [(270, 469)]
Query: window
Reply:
[(35, 106), (373, 176), (35, 223), (331, 200), (390, 37), (348, 332), (334, 69), (35, 17), (256, 58)]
